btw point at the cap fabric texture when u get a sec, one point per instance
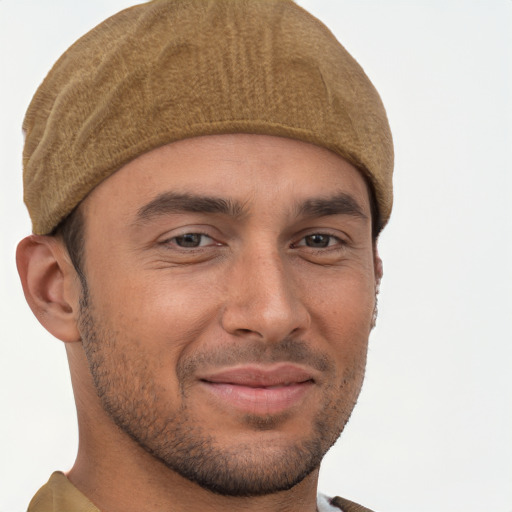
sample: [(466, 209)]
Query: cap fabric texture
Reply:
[(172, 69)]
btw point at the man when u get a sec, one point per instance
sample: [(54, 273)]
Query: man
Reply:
[(206, 180)]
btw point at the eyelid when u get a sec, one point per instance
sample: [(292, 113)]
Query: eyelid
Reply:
[(342, 237), (170, 239), (338, 239)]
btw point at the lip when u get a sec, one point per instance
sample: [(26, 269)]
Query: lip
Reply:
[(260, 390)]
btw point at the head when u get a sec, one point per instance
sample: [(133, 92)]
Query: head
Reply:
[(210, 257)]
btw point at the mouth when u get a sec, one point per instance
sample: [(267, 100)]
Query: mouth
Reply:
[(260, 390)]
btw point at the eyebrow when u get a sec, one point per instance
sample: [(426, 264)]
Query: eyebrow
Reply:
[(171, 202), (338, 204)]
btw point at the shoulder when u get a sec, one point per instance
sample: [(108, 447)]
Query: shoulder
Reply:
[(345, 505), (60, 495)]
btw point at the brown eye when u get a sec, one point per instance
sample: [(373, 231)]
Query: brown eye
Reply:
[(318, 241), (192, 240)]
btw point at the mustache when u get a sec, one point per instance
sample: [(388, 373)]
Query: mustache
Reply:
[(250, 352)]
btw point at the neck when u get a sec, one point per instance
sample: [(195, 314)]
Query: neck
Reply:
[(116, 479), (117, 475)]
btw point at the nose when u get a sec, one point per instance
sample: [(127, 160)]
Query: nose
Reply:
[(264, 299)]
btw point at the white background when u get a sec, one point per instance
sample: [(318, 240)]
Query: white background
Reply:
[(433, 428)]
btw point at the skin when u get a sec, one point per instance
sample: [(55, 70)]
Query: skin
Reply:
[(267, 288)]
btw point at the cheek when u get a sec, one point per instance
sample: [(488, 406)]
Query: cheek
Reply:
[(163, 311), (342, 313)]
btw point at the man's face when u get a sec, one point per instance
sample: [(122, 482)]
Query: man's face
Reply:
[(230, 295)]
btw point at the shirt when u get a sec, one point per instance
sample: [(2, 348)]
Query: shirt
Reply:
[(60, 495)]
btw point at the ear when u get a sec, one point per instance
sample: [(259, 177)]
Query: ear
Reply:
[(51, 285), (377, 266)]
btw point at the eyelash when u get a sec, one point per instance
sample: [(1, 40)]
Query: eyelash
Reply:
[(330, 238), (196, 234), (303, 242)]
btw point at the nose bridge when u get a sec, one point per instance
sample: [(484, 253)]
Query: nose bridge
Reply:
[(263, 296)]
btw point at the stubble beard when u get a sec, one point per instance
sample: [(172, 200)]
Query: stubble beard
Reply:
[(133, 400)]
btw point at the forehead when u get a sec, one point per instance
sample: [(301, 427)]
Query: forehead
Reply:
[(254, 170)]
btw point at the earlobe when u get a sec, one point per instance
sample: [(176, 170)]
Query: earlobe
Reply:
[(50, 285), (378, 272)]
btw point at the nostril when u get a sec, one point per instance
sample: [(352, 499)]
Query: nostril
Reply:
[(248, 331)]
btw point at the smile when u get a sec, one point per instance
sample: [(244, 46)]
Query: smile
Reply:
[(260, 390)]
